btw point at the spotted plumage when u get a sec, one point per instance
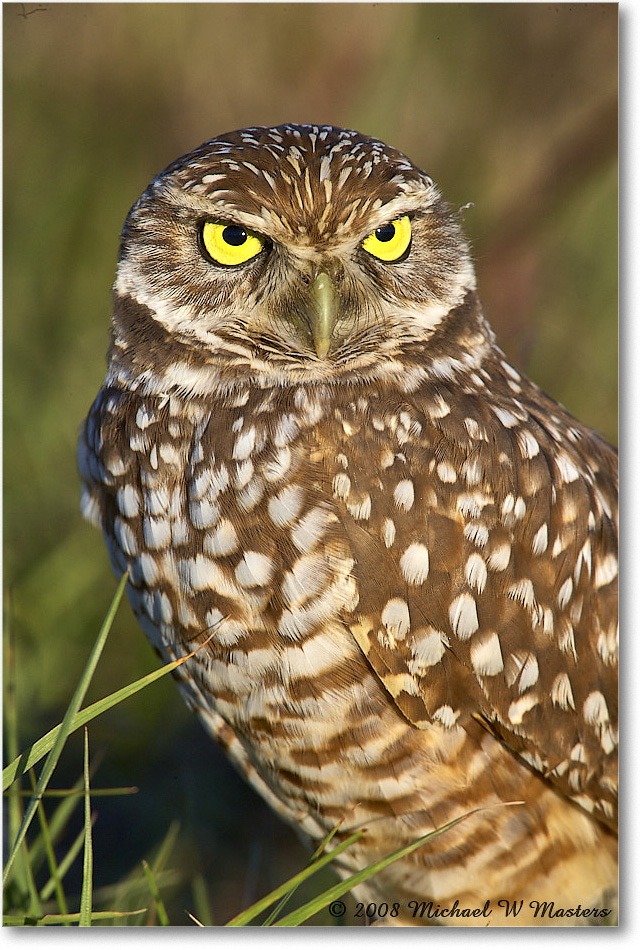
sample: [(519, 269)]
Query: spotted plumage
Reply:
[(309, 452)]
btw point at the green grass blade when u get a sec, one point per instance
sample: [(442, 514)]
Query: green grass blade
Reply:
[(155, 871), (165, 848), (57, 823), (276, 911), (20, 920), (52, 759), (202, 915), (23, 877), (78, 793), (163, 919), (88, 857), (313, 907), (54, 868), (251, 912), (30, 891), (35, 752), (133, 890), (71, 855)]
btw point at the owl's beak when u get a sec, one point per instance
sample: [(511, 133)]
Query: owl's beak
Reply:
[(322, 309)]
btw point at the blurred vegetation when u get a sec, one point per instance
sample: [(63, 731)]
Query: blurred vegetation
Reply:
[(510, 106)]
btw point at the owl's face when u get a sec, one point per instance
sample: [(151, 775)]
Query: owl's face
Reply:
[(284, 254)]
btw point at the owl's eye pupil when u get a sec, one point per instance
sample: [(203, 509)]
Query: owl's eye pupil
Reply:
[(234, 235), (386, 233)]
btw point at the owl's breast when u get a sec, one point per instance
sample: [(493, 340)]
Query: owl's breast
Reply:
[(223, 516)]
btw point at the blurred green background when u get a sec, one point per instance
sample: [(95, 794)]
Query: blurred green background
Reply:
[(510, 106)]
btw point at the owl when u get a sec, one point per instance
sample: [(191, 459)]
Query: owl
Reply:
[(398, 555)]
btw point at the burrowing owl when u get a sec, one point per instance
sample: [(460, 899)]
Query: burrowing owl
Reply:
[(309, 449)]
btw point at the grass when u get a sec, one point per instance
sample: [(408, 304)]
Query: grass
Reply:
[(36, 855)]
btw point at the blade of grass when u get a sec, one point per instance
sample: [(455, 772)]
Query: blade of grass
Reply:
[(21, 920), (10, 723), (133, 889), (251, 912), (88, 857), (52, 759), (155, 870), (57, 823), (27, 759), (165, 848), (77, 793), (71, 855), (276, 911), (163, 919), (30, 892), (303, 913), (54, 869), (202, 916)]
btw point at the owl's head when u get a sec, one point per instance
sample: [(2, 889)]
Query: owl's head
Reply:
[(284, 254)]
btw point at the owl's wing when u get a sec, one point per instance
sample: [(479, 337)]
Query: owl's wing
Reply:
[(484, 540)]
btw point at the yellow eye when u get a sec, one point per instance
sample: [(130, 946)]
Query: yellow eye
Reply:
[(390, 242), (230, 244)]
